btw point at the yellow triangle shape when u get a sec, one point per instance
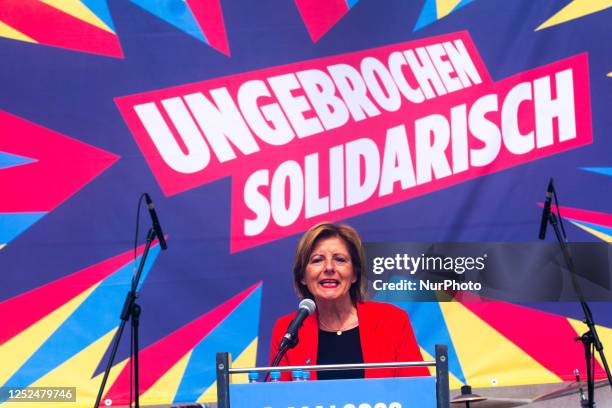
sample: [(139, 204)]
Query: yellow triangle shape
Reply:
[(164, 389), (604, 237), (246, 359), (574, 10), (77, 371), (78, 10), (9, 32), (486, 356), (453, 381), (210, 395), (15, 352), (605, 336), (444, 7)]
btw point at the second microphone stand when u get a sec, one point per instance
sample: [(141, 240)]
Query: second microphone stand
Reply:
[(589, 339)]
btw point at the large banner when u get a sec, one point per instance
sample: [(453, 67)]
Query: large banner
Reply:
[(250, 121)]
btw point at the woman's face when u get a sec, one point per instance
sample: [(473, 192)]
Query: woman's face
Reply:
[(329, 272)]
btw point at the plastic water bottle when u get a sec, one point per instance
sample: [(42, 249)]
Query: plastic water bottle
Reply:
[(253, 376), (296, 375), (274, 376), (306, 375)]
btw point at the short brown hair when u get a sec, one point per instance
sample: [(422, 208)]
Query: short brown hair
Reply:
[(307, 244)]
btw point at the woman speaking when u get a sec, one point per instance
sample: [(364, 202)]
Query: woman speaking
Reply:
[(329, 268)]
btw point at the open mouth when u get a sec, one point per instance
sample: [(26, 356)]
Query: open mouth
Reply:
[(329, 283)]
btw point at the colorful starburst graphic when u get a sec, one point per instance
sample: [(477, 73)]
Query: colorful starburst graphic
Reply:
[(40, 169), (574, 10), (58, 334), (434, 10), (596, 223), (477, 331), (80, 25), (320, 16), (178, 369), (67, 60), (201, 19)]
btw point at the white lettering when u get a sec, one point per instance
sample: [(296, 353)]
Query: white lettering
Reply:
[(514, 140), (221, 123), (562, 108), (197, 156), (376, 74), (354, 91), (484, 130), (256, 202), (397, 162), (430, 151), (280, 132), (289, 174), (356, 151), (294, 106), (320, 89)]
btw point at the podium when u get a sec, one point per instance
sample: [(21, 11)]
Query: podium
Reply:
[(398, 392)]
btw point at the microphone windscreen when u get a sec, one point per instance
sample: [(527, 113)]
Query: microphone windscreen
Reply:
[(309, 305)]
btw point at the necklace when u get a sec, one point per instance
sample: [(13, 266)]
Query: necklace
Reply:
[(350, 325)]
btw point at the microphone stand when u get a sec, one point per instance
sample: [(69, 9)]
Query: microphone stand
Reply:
[(589, 339), (282, 350), (130, 310)]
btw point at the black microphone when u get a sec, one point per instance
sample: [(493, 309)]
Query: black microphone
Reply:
[(546, 210), (307, 306), (155, 220)]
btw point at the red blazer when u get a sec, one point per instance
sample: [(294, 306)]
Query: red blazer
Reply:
[(384, 331)]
